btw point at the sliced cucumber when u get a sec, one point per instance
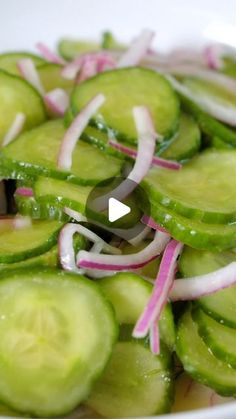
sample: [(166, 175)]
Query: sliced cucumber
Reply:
[(208, 124), (148, 271), (216, 142), (195, 233), (110, 42), (8, 61), (35, 153), (23, 243), (47, 260), (185, 143), (135, 383), (199, 362), (16, 95), (222, 304), (219, 338), (71, 48), (55, 367), (50, 76), (147, 88), (129, 294), (39, 210), (203, 189)]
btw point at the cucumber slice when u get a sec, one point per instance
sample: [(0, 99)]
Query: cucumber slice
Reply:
[(16, 95), (203, 189), (216, 142), (148, 271), (135, 383), (219, 338), (39, 210), (208, 124), (55, 367), (110, 42), (71, 48), (222, 304), (147, 88), (194, 233), (129, 294), (47, 260), (24, 243), (8, 61), (185, 143), (229, 66), (35, 153), (198, 360), (50, 76)]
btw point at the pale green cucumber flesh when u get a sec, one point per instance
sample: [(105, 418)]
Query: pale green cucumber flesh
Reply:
[(8, 61)]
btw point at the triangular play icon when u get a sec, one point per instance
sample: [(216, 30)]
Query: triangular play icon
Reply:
[(117, 209)]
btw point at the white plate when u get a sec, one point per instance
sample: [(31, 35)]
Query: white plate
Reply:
[(176, 22)]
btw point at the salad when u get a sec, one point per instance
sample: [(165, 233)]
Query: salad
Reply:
[(92, 320)]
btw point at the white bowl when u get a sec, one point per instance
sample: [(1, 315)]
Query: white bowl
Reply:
[(176, 22)]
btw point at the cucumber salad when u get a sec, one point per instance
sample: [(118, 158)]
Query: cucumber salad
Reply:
[(93, 323)]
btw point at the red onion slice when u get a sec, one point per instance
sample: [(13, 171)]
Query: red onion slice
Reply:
[(137, 50), (90, 234), (102, 59), (162, 286), (199, 286), (15, 129), (151, 223), (88, 69), (74, 131), (154, 338), (28, 71), (124, 262), (219, 111), (156, 161), (57, 101), (48, 54), (212, 54), (23, 191)]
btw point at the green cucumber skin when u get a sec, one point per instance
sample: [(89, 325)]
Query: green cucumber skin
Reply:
[(221, 305), (39, 209), (194, 233), (186, 355), (160, 184), (26, 254), (46, 272), (229, 357), (16, 164), (208, 124), (14, 57), (175, 150), (100, 124), (41, 109)]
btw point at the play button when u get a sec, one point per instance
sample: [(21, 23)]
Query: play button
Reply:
[(116, 206), (117, 209)]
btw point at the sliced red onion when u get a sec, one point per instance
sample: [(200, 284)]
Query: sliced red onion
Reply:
[(76, 215), (90, 234), (199, 286), (88, 69), (49, 55), (28, 71), (154, 338), (212, 54), (66, 248), (219, 111), (103, 60), (23, 191), (3, 199), (151, 223), (15, 129), (57, 101), (137, 50), (74, 131), (222, 80), (156, 161), (162, 286), (124, 262)]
